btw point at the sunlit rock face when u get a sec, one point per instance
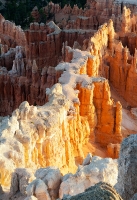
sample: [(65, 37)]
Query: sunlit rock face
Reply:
[(38, 135), (55, 112), (50, 184), (98, 170)]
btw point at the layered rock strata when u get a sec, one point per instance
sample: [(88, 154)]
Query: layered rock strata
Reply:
[(113, 60)]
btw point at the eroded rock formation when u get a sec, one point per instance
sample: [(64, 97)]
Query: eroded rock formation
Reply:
[(78, 110), (63, 125), (46, 185), (19, 181), (91, 17), (86, 176)]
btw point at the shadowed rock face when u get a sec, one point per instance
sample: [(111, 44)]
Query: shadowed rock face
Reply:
[(1, 190), (99, 191), (127, 179)]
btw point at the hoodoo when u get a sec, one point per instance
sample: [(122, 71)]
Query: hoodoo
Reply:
[(68, 98)]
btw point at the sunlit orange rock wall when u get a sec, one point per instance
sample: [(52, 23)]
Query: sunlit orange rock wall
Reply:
[(122, 65), (114, 61), (58, 130), (103, 115)]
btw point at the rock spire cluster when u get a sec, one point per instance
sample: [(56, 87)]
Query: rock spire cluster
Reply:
[(56, 81)]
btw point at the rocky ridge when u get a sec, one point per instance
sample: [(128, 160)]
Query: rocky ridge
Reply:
[(74, 112)]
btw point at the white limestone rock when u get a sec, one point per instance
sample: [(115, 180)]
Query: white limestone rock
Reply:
[(99, 169), (19, 182), (27, 127), (46, 185), (39, 189), (87, 160)]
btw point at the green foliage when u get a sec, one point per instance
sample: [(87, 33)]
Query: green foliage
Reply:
[(43, 17)]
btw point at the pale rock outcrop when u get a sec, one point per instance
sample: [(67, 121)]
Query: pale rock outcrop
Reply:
[(98, 170), (46, 185), (39, 189), (134, 112), (127, 165), (19, 182), (98, 97), (87, 160)]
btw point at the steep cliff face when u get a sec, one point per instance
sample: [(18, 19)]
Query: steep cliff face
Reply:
[(45, 42), (36, 136), (122, 64), (112, 59)]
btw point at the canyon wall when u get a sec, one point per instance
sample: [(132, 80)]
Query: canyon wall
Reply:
[(75, 112), (43, 43), (123, 74), (79, 108), (115, 56), (94, 14)]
